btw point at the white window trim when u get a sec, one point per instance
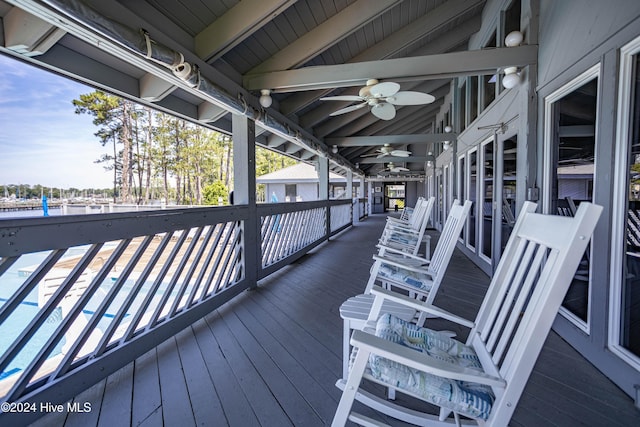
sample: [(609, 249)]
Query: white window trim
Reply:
[(468, 196), (480, 201), (619, 214), (549, 100), (461, 184)]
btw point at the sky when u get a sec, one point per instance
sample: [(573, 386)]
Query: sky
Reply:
[(42, 140)]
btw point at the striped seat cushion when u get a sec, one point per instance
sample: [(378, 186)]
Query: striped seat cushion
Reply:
[(400, 275), (466, 398)]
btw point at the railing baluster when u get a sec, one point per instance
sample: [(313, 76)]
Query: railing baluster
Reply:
[(151, 293), (201, 284), (225, 272), (100, 311), (208, 289), (6, 263), (195, 263), (19, 343), (176, 274), (32, 281), (122, 311)]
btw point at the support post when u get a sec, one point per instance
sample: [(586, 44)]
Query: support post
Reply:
[(322, 166), (244, 192)]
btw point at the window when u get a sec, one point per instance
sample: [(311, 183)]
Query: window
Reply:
[(463, 106), (290, 192), (472, 195), (486, 194), (570, 146), (462, 196), (624, 322), (473, 103), (509, 162)]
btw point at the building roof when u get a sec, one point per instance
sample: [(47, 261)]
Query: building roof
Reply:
[(576, 170), (302, 172)]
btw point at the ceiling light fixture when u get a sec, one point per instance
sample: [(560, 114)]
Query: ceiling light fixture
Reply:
[(265, 98), (511, 77), (334, 150), (448, 129), (513, 39), (429, 162)]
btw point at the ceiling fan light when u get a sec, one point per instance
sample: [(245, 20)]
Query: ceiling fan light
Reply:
[(265, 98), (513, 39)]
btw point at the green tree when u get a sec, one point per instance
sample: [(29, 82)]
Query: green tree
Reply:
[(215, 190), (114, 117)]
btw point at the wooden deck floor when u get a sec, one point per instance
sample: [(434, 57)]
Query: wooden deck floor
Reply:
[(271, 356)]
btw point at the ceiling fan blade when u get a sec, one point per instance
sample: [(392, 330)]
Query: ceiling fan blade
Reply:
[(381, 155), (384, 111), (384, 89), (400, 153), (411, 98), (348, 109), (350, 98), (399, 169)]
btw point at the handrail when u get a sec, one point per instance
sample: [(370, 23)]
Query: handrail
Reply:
[(113, 286)]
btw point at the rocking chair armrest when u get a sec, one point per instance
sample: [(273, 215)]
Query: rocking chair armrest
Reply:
[(400, 252), (415, 359), (400, 224), (392, 220), (403, 231), (379, 292), (422, 269)]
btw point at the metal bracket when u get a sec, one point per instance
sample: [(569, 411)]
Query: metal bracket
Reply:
[(497, 128)]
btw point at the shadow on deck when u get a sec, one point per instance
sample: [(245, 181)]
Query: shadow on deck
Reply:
[(271, 356)]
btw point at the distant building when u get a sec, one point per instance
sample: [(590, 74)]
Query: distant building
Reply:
[(299, 183)]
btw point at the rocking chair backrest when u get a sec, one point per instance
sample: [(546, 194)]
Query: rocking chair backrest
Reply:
[(407, 212), (448, 238), (525, 294), (418, 212), (421, 215)]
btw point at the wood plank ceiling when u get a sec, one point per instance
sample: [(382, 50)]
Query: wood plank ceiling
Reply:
[(252, 42)]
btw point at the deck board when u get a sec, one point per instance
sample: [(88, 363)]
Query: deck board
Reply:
[(272, 355)]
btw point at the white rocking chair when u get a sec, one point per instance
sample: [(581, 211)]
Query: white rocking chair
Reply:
[(419, 276), (484, 378), (408, 237)]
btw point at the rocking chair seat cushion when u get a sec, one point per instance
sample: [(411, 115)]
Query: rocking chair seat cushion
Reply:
[(402, 239), (466, 398), (407, 277)]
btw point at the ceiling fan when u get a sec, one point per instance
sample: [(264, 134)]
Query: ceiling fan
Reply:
[(381, 98), (395, 169), (388, 150)]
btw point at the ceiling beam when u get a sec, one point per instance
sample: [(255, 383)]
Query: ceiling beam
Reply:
[(325, 35), (416, 30), (207, 112), (29, 35), (473, 62), (358, 141), (153, 88), (238, 23)]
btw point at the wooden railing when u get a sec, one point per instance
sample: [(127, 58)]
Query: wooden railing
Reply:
[(82, 296)]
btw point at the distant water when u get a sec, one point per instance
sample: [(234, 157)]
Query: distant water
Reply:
[(29, 213)]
